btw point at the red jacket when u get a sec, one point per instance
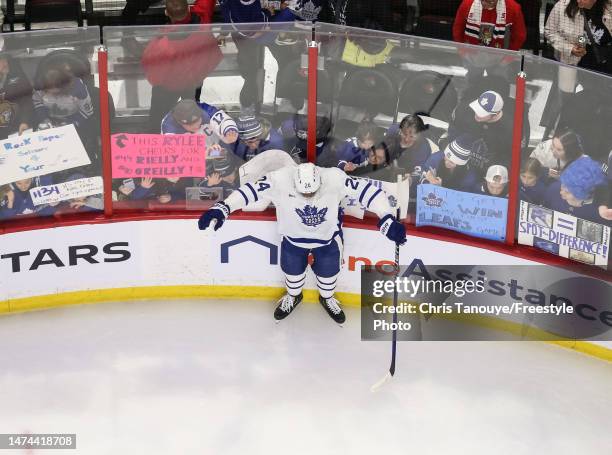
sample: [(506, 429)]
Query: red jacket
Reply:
[(178, 61), (204, 9), (514, 16)]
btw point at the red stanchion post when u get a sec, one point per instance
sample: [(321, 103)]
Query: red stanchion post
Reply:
[(105, 131), (313, 60), (515, 166)]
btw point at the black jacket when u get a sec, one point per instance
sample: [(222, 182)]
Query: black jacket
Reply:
[(15, 100)]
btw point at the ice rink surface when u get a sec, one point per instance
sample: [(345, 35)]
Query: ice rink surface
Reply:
[(220, 377)]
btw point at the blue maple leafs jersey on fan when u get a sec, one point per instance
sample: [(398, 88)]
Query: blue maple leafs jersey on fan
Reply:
[(314, 221)]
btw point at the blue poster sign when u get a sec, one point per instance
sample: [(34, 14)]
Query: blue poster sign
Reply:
[(477, 215)]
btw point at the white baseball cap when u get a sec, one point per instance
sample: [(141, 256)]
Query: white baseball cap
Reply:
[(489, 103), (497, 171)]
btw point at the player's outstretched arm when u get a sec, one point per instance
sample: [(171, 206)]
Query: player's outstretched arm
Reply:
[(376, 200), (248, 193)]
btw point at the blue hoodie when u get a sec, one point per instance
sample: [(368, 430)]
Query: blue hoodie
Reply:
[(408, 158), (553, 200), (23, 204), (273, 141), (350, 152), (533, 194), (296, 146), (241, 12), (73, 105), (461, 179)]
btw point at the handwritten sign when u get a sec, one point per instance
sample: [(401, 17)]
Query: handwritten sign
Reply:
[(478, 215), (51, 194), (158, 155), (564, 235), (41, 153)]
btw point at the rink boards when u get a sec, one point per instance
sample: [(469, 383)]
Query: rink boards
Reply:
[(172, 258)]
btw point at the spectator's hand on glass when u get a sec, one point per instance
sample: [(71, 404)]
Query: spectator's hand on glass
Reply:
[(23, 127), (214, 179), (350, 167), (10, 199), (605, 212), (126, 190), (230, 137), (432, 178), (554, 174), (77, 203), (173, 179), (45, 125), (164, 198), (147, 182), (578, 51)]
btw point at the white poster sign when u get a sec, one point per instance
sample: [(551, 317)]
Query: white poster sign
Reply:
[(41, 153), (51, 194), (564, 235)]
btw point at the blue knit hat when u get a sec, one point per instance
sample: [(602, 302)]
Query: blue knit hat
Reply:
[(249, 127), (582, 176)]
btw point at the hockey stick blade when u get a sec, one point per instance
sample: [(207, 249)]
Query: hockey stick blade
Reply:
[(380, 383)]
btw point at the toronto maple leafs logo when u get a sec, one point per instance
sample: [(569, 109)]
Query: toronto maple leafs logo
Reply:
[(311, 216), (392, 201), (431, 200), (308, 11), (597, 33)]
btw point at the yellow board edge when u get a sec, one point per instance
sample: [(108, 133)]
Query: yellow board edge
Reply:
[(249, 292)]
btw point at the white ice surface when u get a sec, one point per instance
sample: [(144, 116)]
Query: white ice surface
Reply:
[(219, 377)]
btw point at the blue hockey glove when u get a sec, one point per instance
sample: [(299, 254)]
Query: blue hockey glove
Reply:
[(394, 230), (217, 213)]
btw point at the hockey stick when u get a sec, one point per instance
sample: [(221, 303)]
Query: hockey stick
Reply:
[(391, 371), (439, 96)]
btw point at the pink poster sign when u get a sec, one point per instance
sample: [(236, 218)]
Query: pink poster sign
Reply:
[(158, 155)]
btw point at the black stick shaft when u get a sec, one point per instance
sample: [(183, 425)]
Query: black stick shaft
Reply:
[(394, 336)]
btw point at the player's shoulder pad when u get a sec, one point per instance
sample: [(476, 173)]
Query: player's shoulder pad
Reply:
[(278, 178), (278, 174), (333, 175)]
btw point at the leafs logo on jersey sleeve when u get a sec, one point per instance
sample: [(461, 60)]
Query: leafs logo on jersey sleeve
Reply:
[(311, 216)]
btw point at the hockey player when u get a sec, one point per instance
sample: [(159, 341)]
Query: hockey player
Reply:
[(307, 200)]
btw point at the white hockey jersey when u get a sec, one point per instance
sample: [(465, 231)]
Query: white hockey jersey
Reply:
[(315, 221)]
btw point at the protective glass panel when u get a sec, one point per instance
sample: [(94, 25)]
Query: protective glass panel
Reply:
[(193, 105), (50, 152), (565, 177), (437, 115)]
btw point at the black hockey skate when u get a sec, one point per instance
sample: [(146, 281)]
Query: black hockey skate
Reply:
[(286, 305), (332, 306)]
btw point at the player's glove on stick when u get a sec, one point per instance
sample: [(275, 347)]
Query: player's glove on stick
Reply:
[(394, 230), (217, 213)]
